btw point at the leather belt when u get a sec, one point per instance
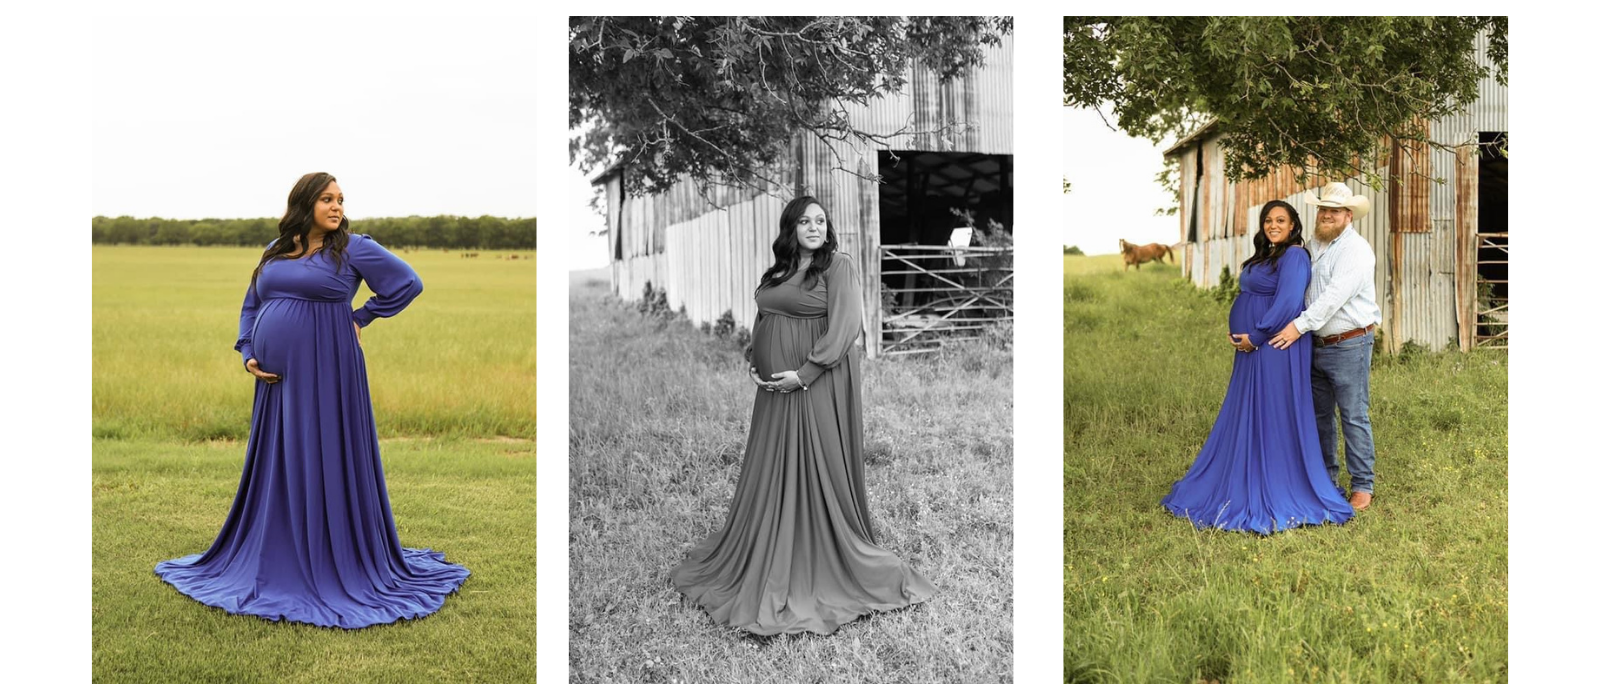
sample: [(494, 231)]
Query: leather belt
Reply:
[(1320, 341)]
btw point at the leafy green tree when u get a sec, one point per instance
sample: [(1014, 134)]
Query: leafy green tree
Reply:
[(208, 232), (492, 232), (1170, 177), (1283, 90), (123, 229), (171, 232), (407, 231)]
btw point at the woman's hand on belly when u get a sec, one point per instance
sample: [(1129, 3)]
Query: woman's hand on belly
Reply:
[(786, 381), (755, 378), (255, 369)]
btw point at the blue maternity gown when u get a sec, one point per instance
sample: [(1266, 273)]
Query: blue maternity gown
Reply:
[(1261, 469), (310, 537)]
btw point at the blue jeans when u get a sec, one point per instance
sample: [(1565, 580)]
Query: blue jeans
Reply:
[(1341, 377)]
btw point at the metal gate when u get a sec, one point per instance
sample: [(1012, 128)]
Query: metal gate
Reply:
[(1492, 303), (935, 295)]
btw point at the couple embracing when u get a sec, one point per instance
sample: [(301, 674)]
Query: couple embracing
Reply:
[(1302, 332)]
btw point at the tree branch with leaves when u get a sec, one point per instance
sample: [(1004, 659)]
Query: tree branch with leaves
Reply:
[(720, 100), (1324, 93)]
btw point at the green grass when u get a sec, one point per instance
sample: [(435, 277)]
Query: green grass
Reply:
[(1413, 590), (459, 361), (453, 392), (1076, 265), (156, 500), (659, 419)]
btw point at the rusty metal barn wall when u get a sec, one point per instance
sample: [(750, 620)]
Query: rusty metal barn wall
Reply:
[(1487, 113), (1428, 314), (982, 99)]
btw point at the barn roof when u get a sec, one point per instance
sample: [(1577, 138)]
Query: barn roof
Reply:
[(606, 173), (1184, 142)]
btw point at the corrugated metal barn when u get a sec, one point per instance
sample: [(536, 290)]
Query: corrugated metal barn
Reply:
[(1439, 229), (708, 255)]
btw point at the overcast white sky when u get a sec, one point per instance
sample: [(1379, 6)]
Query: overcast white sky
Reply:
[(218, 116), (1114, 194), (584, 252)]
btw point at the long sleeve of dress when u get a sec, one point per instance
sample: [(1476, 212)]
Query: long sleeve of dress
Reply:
[(247, 324), (844, 320), (1294, 274), (394, 284), (750, 348)]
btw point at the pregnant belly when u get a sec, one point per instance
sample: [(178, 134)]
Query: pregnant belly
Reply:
[(286, 331), (1247, 308), (781, 343)]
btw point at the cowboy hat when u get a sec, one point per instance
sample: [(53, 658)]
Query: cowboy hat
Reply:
[(1337, 196)]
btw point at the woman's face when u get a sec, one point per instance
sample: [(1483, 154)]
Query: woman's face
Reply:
[(1278, 225), (328, 211), (812, 228)]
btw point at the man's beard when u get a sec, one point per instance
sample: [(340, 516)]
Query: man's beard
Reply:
[(1328, 232)]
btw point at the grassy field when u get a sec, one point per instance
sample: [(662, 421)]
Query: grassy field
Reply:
[(460, 361), (659, 419), (453, 387), (1075, 265), (1413, 590)]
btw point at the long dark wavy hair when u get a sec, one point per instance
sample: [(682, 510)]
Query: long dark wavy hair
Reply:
[(786, 249), (1266, 251), (295, 226)]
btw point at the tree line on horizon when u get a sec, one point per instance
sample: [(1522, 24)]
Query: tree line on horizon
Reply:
[(489, 232)]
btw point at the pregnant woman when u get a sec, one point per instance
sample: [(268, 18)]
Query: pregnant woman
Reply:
[(797, 552), (1261, 469), (310, 537)]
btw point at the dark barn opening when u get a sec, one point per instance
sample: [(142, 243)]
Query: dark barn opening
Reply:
[(1493, 250), (920, 188)]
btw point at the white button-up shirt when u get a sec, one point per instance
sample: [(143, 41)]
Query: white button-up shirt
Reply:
[(1343, 295)]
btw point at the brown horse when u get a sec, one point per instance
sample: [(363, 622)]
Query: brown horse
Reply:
[(1137, 255)]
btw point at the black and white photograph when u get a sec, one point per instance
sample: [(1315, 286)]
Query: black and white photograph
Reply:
[(790, 349)]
